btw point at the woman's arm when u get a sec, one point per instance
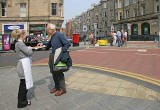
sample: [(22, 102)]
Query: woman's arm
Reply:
[(26, 50)]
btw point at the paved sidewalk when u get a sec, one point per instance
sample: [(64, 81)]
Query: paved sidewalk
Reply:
[(87, 90)]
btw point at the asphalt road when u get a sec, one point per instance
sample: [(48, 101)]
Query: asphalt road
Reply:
[(10, 59)]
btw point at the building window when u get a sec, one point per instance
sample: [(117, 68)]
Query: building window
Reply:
[(157, 5), (104, 5), (120, 14), (105, 14), (134, 1), (135, 12), (126, 2), (23, 10), (116, 4), (116, 16), (54, 9), (127, 14), (143, 10), (120, 4), (61, 10), (4, 9)]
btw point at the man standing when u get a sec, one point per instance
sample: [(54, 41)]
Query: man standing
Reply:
[(57, 40), (119, 36)]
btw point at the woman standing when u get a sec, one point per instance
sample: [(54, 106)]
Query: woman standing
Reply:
[(114, 38), (23, 67)]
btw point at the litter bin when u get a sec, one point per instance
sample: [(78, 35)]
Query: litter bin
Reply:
[(6, 42), (75, 39), (1, 46)]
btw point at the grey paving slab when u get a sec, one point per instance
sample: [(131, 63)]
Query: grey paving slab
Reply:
[(73, 100)]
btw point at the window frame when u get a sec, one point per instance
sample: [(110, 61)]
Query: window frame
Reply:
[(4, 9), (53, 9), (23, 10)]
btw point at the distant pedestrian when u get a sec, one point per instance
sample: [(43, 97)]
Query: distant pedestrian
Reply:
[(125, 35), (23, 67), (84, 38), (91, 37), (119, 37), (156, 37), (114, 38)]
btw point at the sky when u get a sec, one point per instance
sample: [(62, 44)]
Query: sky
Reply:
[(73, 8)]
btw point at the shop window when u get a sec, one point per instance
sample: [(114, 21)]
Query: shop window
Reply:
[(54, 9), (4, 9), (134, 29), (23, 10), (145, 29)]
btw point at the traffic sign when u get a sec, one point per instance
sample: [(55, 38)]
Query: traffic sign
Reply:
[(84, 28)]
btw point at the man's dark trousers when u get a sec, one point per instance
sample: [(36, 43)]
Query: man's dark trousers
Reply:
[(59, 80)]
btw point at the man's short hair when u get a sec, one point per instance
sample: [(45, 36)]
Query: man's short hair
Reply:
[(52, 26)]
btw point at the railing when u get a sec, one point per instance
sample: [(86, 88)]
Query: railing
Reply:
[(143, 38)]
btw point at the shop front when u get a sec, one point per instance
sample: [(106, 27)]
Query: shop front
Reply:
[(38, 31), (7, 28)]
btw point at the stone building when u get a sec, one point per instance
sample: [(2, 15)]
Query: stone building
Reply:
[(31, 15), (139, 17), (97, 19), (69, 29)]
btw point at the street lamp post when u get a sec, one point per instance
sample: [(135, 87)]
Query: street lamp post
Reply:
[(28, 16), (159, 29)]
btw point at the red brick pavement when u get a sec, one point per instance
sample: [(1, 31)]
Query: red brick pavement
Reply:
[(126, 59)]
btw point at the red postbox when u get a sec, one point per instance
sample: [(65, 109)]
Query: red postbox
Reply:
[(75, 39)]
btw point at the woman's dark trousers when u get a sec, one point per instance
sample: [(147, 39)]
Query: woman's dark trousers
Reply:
[(22, 94)]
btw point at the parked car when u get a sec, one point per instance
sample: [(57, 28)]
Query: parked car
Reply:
[(32, 40)]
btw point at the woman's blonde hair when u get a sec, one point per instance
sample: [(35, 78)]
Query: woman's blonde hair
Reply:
[(17, 33)]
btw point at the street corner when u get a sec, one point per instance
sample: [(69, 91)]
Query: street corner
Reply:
[(104, 83), (84, 87)]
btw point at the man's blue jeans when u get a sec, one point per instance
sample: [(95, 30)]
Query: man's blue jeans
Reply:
[(119, 42)]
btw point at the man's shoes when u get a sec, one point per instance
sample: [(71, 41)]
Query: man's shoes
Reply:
[(59, 93), (53, 90)]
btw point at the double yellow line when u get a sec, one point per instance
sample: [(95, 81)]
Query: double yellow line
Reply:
[(123, 73), (114, 71)]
